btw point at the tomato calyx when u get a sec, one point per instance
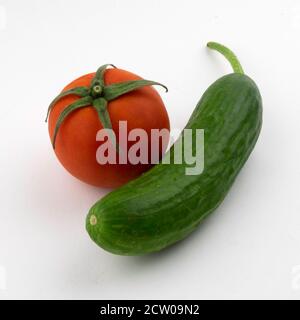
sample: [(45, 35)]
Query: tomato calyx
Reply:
[(97, 95)]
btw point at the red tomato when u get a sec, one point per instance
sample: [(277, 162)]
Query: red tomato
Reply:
[(76, 144)]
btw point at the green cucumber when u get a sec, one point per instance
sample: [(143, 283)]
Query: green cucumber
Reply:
[(164, 205)]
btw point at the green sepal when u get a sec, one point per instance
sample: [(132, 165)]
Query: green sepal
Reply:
[(83, 102), (100, 105), (79, 91), (99, 77), (116, 90)]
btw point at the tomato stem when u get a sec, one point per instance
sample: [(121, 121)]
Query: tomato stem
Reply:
[(228, 54), (97, 90)]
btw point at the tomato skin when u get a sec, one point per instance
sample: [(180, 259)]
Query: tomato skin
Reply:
[(76, 144)]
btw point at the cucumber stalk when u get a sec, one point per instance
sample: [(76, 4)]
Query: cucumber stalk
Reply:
[(228, 54)]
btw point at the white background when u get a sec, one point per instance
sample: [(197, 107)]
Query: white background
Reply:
[(249, 248)]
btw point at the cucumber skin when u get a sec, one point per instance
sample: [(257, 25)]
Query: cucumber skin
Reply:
[(164, 205)]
